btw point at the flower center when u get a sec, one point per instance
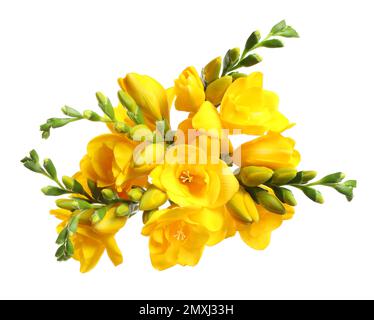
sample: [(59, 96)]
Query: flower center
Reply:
[(180, 235), (185, 177)]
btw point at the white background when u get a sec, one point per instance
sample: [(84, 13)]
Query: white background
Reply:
[(61, 52)]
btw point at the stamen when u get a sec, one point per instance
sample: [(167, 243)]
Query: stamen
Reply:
[(179, 235), (185, 177)]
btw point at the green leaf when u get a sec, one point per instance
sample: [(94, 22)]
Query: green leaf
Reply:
[(280, 26), (53, 191), (313, 194), (252, 40), (272, 43), (250, 60), (71, 112), (288, 32), (50, 168)]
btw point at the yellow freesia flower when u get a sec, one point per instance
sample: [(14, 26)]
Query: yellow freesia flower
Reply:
[(108, 160), (272, 151), (179, 235), (90, 241), (204, 129), (248, 107), (190, 178), (149, 95), (189, 91), (258, 234)]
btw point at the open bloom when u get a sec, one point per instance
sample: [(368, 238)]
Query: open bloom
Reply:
[(190, 178), (271, 150), (90, 241), (189, 91), (179, 235), (109, 160), (258, 234), (247, 106), (149, 95)]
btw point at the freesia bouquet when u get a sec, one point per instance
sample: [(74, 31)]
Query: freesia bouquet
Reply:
[(193, 187)]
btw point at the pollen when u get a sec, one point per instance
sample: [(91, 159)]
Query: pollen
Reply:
[(180, 235), (186, 177)]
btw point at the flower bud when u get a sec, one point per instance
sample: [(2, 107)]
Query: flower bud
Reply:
[(234, 55), (308, 175), (285, 195), (123, 210), (152, 199), (141, 132), (313, 194), (212, 70), (217, 89), (147, 215), (108, 194), (243, 207), (128, 102), (91, 115), (254, 176), (135, 194), (68, 182), (283, 176), (270, 202), (71, 204)]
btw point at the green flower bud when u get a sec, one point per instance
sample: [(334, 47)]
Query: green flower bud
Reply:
[(50, 168), (252, 40), (234, 55), (332, 178), (313, 194), (123, 210), (286, 196), (283, 176), (108, 194), (73, 204), (68, 182), (254, 176), (105, 105), (71, 112), (141, 132), (250, 60), (307, 176), (91, 115), (128, 102), (98, 215), (121, 127), (53, 191), (270, 202), (243, 207), (152, 199), (135, 194)]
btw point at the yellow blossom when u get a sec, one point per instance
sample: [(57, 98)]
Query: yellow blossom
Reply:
[(109, 160), (90, 241), (247, 106), (258, 234), (149, 95), (190, 178), (189, 91), (272, 151), (179, 235)]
